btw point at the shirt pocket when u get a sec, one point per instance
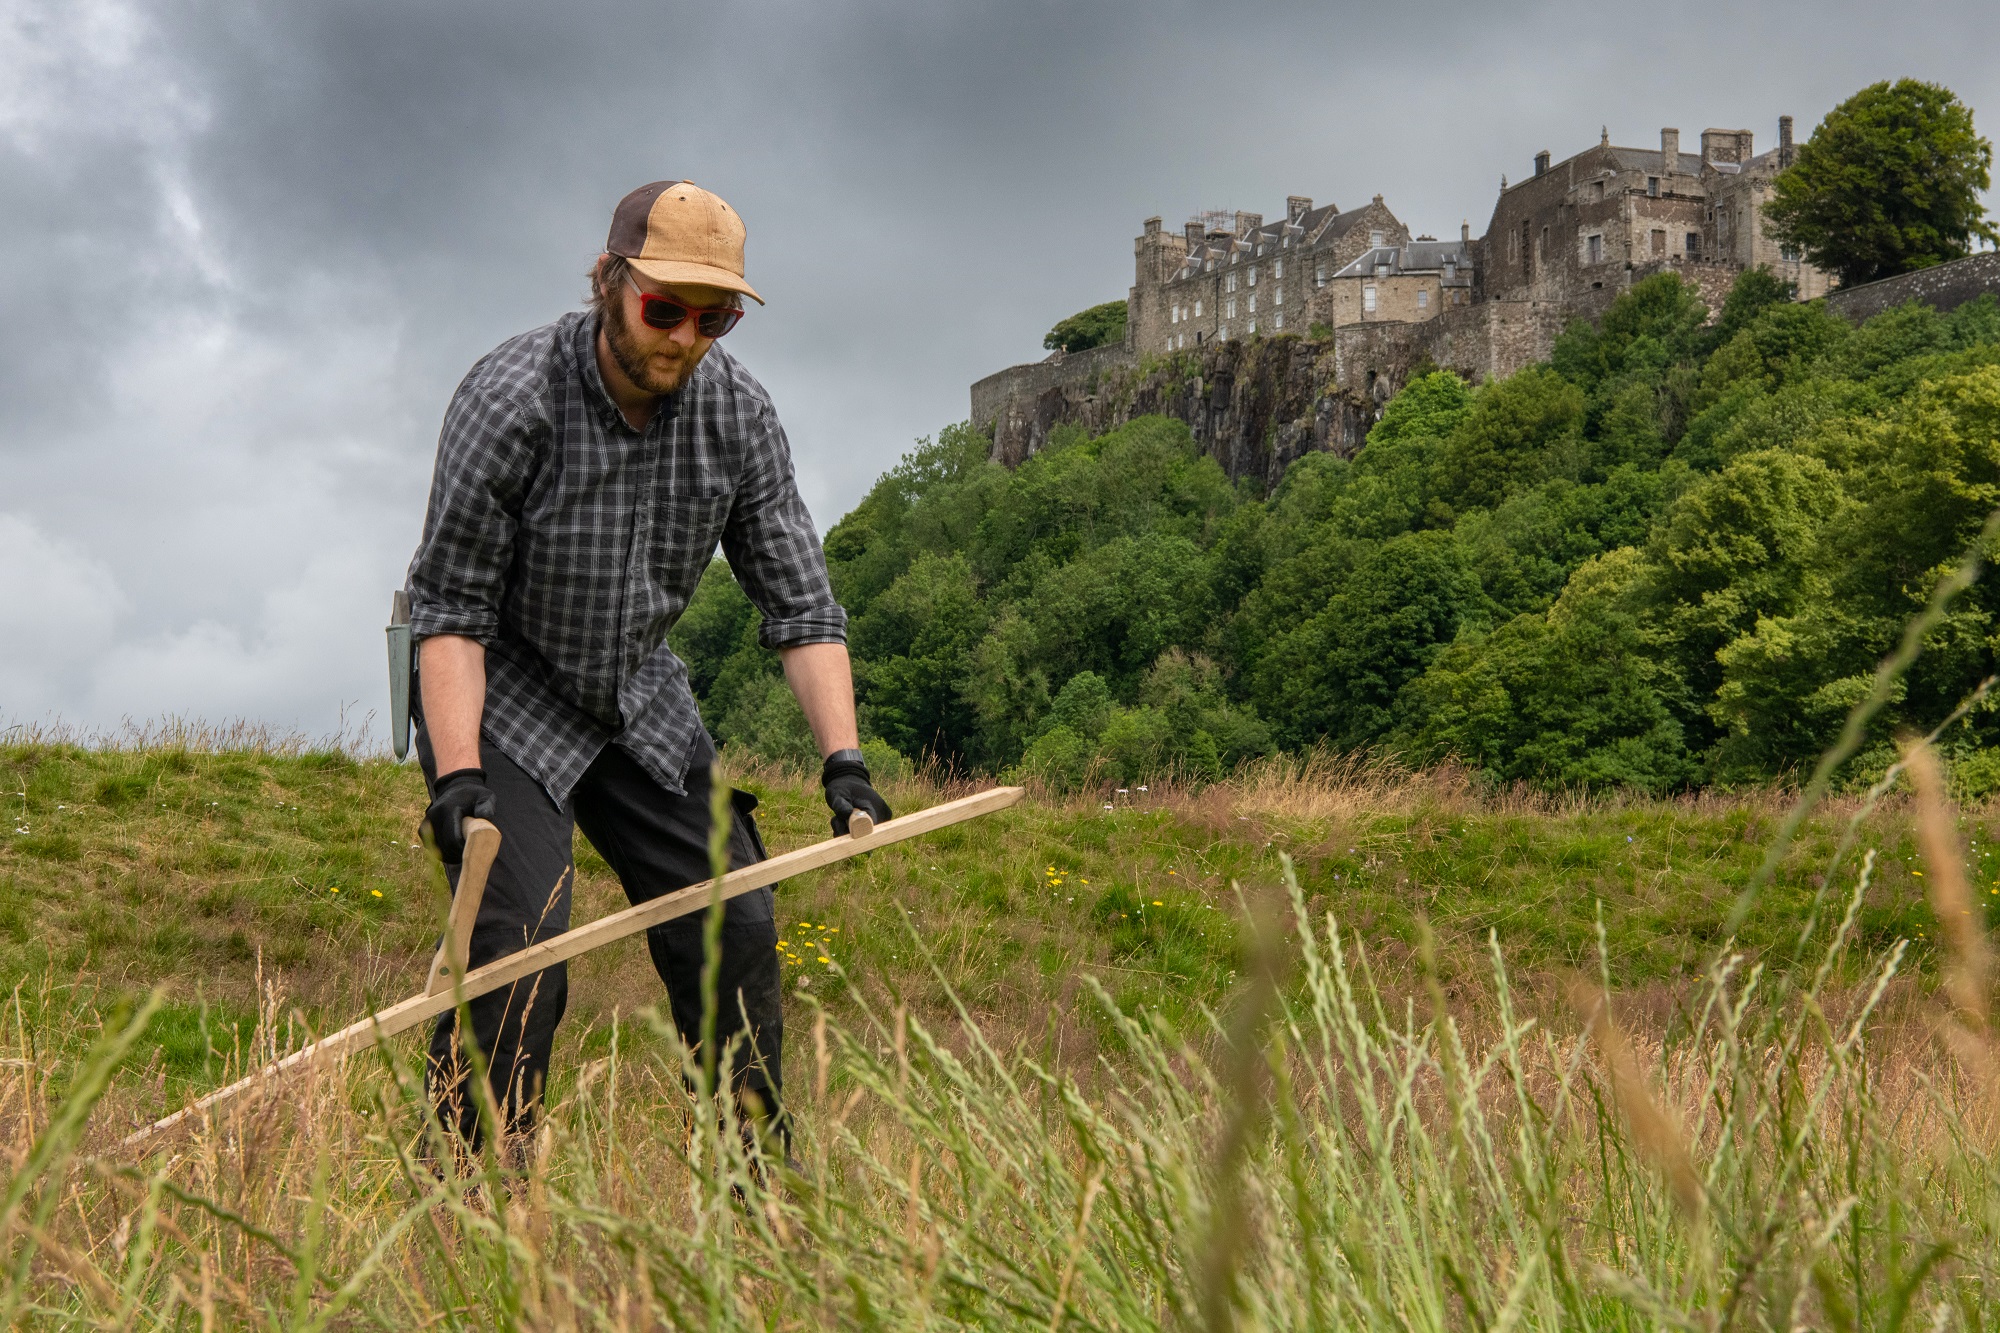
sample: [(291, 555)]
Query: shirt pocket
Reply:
[(686, 530)]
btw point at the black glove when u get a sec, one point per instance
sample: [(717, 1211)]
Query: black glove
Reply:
[(459, 793), (845, 777)]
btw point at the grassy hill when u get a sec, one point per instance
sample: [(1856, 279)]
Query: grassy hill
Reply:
[(1141, 1116), (236, 876)]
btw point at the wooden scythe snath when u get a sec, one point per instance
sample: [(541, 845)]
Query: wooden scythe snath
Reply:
[(449, 982)]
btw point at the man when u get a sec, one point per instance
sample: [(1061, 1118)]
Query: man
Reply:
[(585, 473)]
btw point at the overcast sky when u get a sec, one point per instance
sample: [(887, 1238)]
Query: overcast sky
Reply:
[(247, 250)]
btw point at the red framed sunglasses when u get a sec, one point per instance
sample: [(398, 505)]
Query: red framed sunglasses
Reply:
[(663, 312)]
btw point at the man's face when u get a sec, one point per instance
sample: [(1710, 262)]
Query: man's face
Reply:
[(658, 361)]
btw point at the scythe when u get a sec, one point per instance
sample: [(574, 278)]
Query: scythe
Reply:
[(449, 982)]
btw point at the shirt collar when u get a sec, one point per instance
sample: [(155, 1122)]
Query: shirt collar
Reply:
[(583, 352)]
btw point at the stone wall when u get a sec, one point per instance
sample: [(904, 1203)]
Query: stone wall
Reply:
[(1255, 407), (1490, 340), (1009, 390), (1944, 286), (1399, 297)]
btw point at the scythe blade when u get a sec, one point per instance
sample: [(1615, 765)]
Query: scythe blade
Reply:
[(401, 666)]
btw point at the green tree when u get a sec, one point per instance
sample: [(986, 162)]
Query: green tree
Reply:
[(1740, 546), (1570, 697), (1336, 676), (1889, 182), (915, 644), (1521, 430), (766, 719), (1085, 329)]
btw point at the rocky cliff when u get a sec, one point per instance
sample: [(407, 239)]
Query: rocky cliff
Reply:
[(1254, 407)]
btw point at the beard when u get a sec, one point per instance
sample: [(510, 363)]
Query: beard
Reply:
[(638, 364)]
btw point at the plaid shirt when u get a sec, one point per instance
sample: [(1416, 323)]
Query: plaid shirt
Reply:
[(569, 544)]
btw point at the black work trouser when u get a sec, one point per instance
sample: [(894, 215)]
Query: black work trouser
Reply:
[(656, 842)]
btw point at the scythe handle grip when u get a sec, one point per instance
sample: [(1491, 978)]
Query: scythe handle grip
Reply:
[(482, 844)]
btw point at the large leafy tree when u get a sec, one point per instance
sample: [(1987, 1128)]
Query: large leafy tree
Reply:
[(1085, 329), (1889, 182)]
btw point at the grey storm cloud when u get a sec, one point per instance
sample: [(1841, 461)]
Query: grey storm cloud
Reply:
[(246, 250)]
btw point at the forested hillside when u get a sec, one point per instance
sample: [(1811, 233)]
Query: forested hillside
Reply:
[(1672, 556)]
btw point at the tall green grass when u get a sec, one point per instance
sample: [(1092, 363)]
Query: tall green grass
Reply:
[(1308, 1156)]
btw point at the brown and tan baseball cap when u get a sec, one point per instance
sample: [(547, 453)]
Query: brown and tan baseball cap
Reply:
[(675, 231)]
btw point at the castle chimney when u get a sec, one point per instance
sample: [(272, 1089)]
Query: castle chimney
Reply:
[(1670, 151), (1725, 145), (1297, 206), (1542, 163), (1195, 232), (1465, 233), (1247, 223), (1784, 141)]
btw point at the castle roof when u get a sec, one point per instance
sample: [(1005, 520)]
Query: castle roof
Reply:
[(1415, 257), (1653, 162), (1650, 161), (1313, 229)]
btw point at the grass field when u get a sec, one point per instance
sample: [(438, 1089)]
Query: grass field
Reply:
[(1020, 1101), (220, 871)]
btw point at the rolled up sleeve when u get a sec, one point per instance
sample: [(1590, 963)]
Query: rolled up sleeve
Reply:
[(485, 455), (775, 552)]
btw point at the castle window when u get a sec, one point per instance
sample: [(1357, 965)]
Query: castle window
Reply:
[(1253, 304), (1594, 246), (1174, 315), (1319, 274), (1368, 299), (1278, 297), (1277, 268), (1659, 242), (1229, 284), (1694, 244), (1789, 253), (1253, 328), (1423, 300), (1229, 310), (1197, 309), (1374, 238), (1653, 186), (1278, 322), (1253, 275)]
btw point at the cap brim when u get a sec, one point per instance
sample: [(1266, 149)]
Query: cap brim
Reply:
[(679, 272)]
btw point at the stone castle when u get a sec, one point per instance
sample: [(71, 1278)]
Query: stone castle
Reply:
[(1375, 303)]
